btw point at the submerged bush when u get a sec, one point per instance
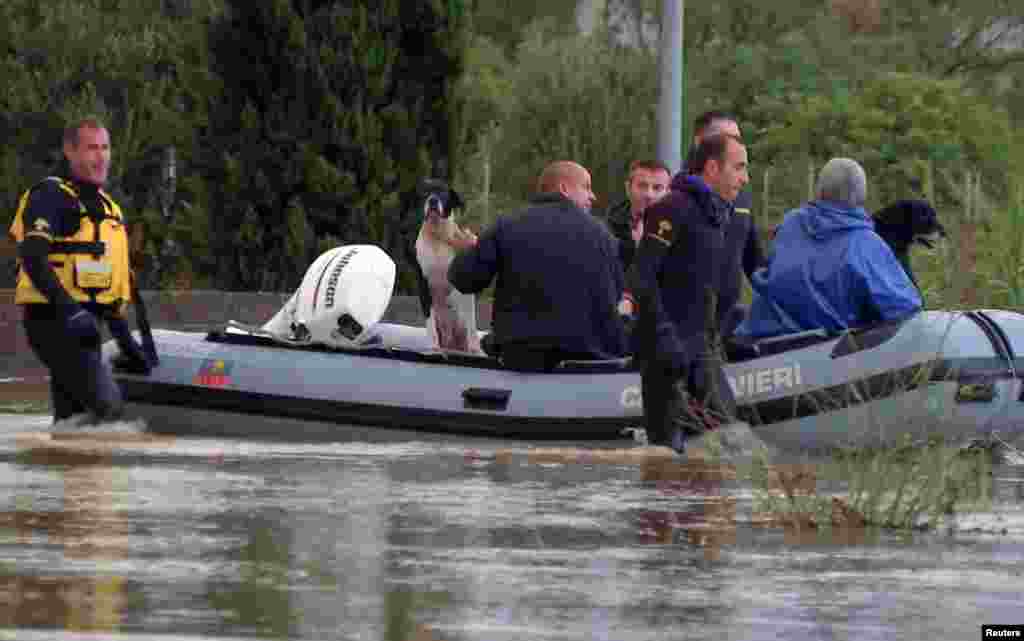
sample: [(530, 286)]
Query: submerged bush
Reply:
[(915, 486)]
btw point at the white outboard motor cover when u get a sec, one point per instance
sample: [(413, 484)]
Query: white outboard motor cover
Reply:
[(343, 294)]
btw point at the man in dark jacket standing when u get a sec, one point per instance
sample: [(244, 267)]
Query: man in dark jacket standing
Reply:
[(743, 231), (558, 277), (681, 276)]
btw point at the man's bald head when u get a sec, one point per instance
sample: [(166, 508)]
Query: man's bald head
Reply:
[(570, 179), (557, 173)]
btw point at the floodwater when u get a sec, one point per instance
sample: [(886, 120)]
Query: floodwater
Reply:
[(424, 539)]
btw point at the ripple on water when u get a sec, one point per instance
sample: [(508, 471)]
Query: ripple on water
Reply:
[(488, 544)]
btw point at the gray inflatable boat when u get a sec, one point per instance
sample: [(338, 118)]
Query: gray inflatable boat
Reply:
[(950, 374)]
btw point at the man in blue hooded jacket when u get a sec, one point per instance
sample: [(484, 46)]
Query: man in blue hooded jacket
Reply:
[(830, 270)]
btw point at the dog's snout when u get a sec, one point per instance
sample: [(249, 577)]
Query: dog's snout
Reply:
[(435, 206)]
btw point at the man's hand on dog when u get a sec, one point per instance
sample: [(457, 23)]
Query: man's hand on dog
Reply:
[(463, 239)]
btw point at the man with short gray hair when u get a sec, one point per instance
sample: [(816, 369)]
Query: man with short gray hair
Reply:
[(830, 270), (843, 181)]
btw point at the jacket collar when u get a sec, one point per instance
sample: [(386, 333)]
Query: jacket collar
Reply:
[(553, 198), (620, 212), (718, 210)]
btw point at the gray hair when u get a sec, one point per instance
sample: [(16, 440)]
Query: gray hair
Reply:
[(843, 180)]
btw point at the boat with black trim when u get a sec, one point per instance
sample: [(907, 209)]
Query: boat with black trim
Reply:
[(950, 374)]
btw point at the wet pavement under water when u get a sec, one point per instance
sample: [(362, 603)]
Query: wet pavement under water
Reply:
[(425, 539)]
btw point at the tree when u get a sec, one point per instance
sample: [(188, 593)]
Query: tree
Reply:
[(331, 112), (580, 98), (904, 129), (504, 22), (955, 38), (137, 65), (482, 96)]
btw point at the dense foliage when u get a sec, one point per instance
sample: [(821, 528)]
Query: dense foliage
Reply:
[(142, 66), (297, 125), (926, 94), (300, 124), (331, 111)]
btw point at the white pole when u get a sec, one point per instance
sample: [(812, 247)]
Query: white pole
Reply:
[(670, 104)]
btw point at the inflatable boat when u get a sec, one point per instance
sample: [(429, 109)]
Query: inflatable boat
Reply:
[(325, 364), (239, 381), (947, 374)]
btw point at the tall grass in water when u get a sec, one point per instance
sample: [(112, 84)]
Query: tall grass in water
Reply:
[(911, 487), (1008, 237), (915, 480), (907, 478), (915, 486)]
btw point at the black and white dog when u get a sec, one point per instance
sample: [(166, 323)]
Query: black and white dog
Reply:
[(451, 316), (906, 222)]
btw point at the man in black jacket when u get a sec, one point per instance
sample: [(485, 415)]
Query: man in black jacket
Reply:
[(558, 277), (648, 182), (743, 230), (682, 277)]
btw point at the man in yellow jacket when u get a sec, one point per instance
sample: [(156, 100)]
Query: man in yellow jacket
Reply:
[(74, 269)]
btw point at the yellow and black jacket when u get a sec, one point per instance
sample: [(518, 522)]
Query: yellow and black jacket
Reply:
[(88, 245)]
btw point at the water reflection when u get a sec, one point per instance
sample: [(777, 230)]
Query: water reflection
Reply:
[(709, 522), (85, 527), (448, 541), (259, 600), (401, 607)]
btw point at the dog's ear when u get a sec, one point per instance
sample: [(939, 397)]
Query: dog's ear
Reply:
[(927, 217), (429, 185), (455, 200), (898, 212)]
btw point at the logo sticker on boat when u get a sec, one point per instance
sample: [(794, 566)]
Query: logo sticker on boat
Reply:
[(764, 381), (632, 398), (214, 372)]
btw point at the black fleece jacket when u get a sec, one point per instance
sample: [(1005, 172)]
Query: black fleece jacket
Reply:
[(558, 279)]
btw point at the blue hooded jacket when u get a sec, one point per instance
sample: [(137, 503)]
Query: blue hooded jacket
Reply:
[(830, 270)]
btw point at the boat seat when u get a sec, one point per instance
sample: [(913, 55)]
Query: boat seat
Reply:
[(739, 349)]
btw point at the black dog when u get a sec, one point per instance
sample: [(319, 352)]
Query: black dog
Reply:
[(906, 222)]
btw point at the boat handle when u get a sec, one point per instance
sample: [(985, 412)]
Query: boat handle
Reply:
[(486, 398)]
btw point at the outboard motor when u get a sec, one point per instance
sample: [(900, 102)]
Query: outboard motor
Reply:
[(343, 294)]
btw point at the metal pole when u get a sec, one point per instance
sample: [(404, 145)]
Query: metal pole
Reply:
[(670, 104)]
